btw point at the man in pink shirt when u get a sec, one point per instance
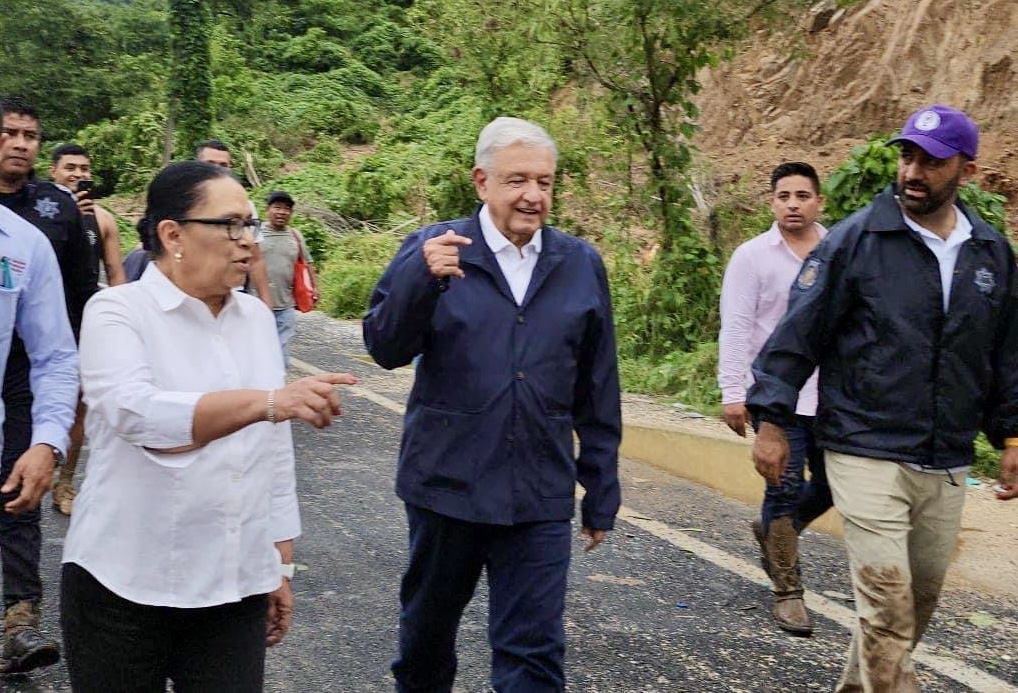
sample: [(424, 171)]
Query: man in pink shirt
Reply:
[(754, 298)]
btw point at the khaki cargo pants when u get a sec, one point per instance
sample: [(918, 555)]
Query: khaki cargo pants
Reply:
[(900, 526)]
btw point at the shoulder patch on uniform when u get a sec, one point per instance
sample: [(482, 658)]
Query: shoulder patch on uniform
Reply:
[(47, 208), (985, 280), (808, 274)]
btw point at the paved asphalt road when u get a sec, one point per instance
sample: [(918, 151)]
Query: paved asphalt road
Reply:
[(675, 601)]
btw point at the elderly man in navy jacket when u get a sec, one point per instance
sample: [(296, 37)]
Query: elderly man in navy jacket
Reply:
[(513, 322)]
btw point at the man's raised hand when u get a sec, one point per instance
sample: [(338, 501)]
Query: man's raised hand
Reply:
[(442, 254)]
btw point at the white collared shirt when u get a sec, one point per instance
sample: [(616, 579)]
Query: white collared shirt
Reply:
[(192, 529), (517, 264), (946, 249)]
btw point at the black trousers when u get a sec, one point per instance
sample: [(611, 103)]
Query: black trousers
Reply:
[(20, 535), (113, 645), (526, 565)]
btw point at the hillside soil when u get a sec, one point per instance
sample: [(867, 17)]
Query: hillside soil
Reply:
[(812, 96)]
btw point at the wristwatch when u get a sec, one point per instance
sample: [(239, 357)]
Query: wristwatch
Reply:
[(287, 570), (58, 457)]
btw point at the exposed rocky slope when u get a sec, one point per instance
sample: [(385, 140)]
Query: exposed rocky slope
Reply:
[(814, 95)]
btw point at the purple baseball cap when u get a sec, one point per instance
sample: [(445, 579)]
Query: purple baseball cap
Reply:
[(941, 131)]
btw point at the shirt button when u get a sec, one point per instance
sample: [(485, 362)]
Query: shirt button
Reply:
[(236, 476), (510, 437), (520, 375)]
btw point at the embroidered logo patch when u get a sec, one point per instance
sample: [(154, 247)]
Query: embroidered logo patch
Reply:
[(808, 274), (985, 280), (47, 208), (927, 120)]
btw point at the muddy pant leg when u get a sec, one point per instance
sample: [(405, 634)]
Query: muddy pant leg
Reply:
[(875, 507), (936, 521), (784, 499)]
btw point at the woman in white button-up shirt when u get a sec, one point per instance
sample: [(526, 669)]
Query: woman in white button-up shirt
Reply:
[(172, 563)]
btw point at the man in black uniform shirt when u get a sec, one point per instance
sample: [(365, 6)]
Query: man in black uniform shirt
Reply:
[(55, 213)]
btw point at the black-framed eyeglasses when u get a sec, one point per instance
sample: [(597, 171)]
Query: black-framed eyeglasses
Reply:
[(235, 226)]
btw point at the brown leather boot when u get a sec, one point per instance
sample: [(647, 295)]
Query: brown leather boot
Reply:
[(758, 534), (24, 647), (782, 548), (63, 489)]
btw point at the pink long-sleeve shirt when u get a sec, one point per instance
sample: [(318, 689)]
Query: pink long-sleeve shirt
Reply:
[(754, 298)]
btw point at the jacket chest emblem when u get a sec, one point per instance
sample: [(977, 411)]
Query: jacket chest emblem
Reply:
[(47, 208), (985, 280), (808, 274)]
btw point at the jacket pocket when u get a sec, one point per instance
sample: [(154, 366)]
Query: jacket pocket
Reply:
[(558, 461), (443, 449)]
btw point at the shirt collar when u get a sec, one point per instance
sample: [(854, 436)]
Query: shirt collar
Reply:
[(167, 294), (774, 236), (961, 232), (496, 240)]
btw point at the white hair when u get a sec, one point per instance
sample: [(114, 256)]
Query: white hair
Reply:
[(504, 132)]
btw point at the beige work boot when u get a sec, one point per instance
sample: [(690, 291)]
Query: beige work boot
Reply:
[(24, 647), (782, 549), (63, 490), (63, 497)]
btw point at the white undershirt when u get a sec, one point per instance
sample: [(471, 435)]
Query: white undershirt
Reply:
[(946, 249), (517, 264)]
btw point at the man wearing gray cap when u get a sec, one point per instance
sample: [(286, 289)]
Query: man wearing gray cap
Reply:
[(910, 309)]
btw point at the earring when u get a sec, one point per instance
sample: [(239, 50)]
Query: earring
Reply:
[(178, 256)]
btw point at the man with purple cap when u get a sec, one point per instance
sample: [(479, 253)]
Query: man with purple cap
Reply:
[(910, 310)]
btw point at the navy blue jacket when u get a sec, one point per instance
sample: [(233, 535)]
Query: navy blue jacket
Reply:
[(900, 379), (500, 388)]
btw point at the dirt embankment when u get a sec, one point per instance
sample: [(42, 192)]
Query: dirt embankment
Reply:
[(813, 96)]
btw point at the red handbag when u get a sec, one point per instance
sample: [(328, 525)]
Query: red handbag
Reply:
[(303, 288)]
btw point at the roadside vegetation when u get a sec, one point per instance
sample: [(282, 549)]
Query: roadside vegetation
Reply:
[(366, 111)]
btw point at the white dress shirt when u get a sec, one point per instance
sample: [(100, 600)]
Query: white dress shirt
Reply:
[(517, 264), (192, 529)]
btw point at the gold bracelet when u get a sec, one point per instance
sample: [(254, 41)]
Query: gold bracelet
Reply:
[(1011, 442), (270, 407)]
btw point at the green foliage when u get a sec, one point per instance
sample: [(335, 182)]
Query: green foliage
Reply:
[(689, 376), (988, 205), (987, 462), (190, 94), (737, 215), (351, 272), (869, 169), (126, 152)]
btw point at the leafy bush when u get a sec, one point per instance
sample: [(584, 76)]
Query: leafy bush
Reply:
[(987, 462), (689, 376), (869, 169), (126, 152), (352, 270)]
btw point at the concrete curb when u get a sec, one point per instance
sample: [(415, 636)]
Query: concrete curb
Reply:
[(719, 463)]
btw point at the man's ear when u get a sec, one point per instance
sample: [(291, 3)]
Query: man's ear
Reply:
[(480, 177), (968, 170)]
